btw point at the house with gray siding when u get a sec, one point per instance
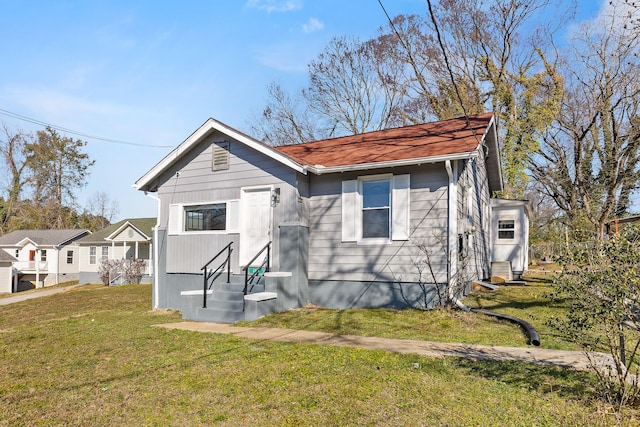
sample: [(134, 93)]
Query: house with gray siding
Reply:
[(372, 220)]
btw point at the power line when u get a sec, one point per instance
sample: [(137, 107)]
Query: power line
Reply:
[(74, 132), (444, 54)]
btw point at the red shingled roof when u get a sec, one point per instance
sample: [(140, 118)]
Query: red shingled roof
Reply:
[(412, 142)]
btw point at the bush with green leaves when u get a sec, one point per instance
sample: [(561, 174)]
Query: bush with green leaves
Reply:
[(600, 287)]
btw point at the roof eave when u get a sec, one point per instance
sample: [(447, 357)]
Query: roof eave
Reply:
[(496, 184), (319, 170), (196, 137), (122, 227)]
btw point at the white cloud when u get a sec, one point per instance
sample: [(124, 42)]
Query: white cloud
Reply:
[(275, 5), (614, 16), (312, 25)]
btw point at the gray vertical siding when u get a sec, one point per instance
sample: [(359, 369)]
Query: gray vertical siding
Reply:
[(332, 259), (191, 180)]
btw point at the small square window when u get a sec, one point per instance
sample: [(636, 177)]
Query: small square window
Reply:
[(506, 229)]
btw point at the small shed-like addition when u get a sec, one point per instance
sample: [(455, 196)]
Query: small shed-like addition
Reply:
[(510, 235)]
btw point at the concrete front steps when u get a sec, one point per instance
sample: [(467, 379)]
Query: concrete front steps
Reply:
[(225, 301)]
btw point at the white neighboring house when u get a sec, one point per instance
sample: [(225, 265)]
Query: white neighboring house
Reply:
[(42, 257), (129, 238)]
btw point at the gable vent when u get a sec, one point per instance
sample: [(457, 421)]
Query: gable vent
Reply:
[(220, 159)]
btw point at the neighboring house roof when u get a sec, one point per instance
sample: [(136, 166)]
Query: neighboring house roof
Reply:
[(143, 225), (5, 257), (452, 139), (42, 237)]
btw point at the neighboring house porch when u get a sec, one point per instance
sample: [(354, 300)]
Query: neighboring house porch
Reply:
[(126, 239)]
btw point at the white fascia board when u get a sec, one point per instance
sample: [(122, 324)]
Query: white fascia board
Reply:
[(121, 228), (22, 243), (495, 148), (198, 135), (319, 170), (498, 204), (486, 130)]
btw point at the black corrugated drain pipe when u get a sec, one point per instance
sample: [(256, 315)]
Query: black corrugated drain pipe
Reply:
[(534, 337)]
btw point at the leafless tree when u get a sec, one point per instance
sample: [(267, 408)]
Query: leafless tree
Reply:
[(473, 56), (589, 162), (285, 119), (100, 210)]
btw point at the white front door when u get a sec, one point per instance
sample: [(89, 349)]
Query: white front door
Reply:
[(255, 224)]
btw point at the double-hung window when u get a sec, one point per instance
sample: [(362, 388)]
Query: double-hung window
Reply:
[(506, 229), (69, 257), (375, 209), (105, 253), (92, 254)]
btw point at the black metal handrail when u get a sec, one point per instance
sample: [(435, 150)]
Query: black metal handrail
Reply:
[(207, 274), (265, 265)]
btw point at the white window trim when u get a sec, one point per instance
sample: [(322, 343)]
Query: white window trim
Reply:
[(399, 219), (104, 256), (175, 226), (503, 240), (360, 207), (95, 255)]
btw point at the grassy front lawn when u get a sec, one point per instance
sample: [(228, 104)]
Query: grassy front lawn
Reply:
[(91, 357), (525, 302)]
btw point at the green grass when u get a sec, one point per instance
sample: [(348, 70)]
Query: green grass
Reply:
[(526, 302), (91, 357), (529, 303)]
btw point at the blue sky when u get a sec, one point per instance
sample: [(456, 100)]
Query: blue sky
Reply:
[(151, 72)]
